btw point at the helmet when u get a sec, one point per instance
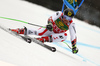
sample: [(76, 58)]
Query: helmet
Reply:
[(69, 12)]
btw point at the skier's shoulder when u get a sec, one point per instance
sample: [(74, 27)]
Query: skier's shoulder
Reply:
[(58, 13), (71, 23), (55, 15)]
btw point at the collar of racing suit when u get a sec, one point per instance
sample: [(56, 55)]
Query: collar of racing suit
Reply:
[(61, 25)]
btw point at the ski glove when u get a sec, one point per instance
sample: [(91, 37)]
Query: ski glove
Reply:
[(49, 26), (74, 49)]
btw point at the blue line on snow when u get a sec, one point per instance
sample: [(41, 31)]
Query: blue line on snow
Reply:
[(84, 59), (88, 28), (83, 44)]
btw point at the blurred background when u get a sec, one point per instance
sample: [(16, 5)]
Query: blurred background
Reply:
[(88, 12)]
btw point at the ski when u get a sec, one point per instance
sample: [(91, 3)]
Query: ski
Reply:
[(28, 39), (53, 49)]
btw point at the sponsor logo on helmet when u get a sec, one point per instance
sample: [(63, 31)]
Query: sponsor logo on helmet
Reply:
[(69, 13)]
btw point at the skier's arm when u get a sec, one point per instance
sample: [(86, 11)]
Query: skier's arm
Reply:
[(55, 16), (51, 20), (72, 31)]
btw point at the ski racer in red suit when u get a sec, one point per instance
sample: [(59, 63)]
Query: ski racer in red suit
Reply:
[(58, 24)]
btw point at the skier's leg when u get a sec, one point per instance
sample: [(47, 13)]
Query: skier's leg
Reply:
[(59, 37), (33, 31), (39, 32), (49, 36), (45, 39), (54, 38)]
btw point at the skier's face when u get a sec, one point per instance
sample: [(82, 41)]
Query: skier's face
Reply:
[(66, 19)]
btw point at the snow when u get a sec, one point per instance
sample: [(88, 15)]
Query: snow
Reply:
[(15, 52)]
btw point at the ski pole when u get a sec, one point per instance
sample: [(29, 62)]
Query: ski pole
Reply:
[(67, 45), (22, 22), (36, 25)]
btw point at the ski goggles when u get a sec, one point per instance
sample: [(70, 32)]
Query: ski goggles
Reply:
[(67, 17)]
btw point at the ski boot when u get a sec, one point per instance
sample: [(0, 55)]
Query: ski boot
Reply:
[(20, 31), (45, 39)]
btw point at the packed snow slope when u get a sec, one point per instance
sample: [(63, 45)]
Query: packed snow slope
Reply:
[(15, 52)]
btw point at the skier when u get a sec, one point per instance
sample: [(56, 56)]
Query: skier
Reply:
[(58, 24)]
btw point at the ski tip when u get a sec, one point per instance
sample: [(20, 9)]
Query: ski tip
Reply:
[(53, 49), (29, 40)]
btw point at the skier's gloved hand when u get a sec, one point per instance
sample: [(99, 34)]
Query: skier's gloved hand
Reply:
[(49, 26), (74, 49)]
